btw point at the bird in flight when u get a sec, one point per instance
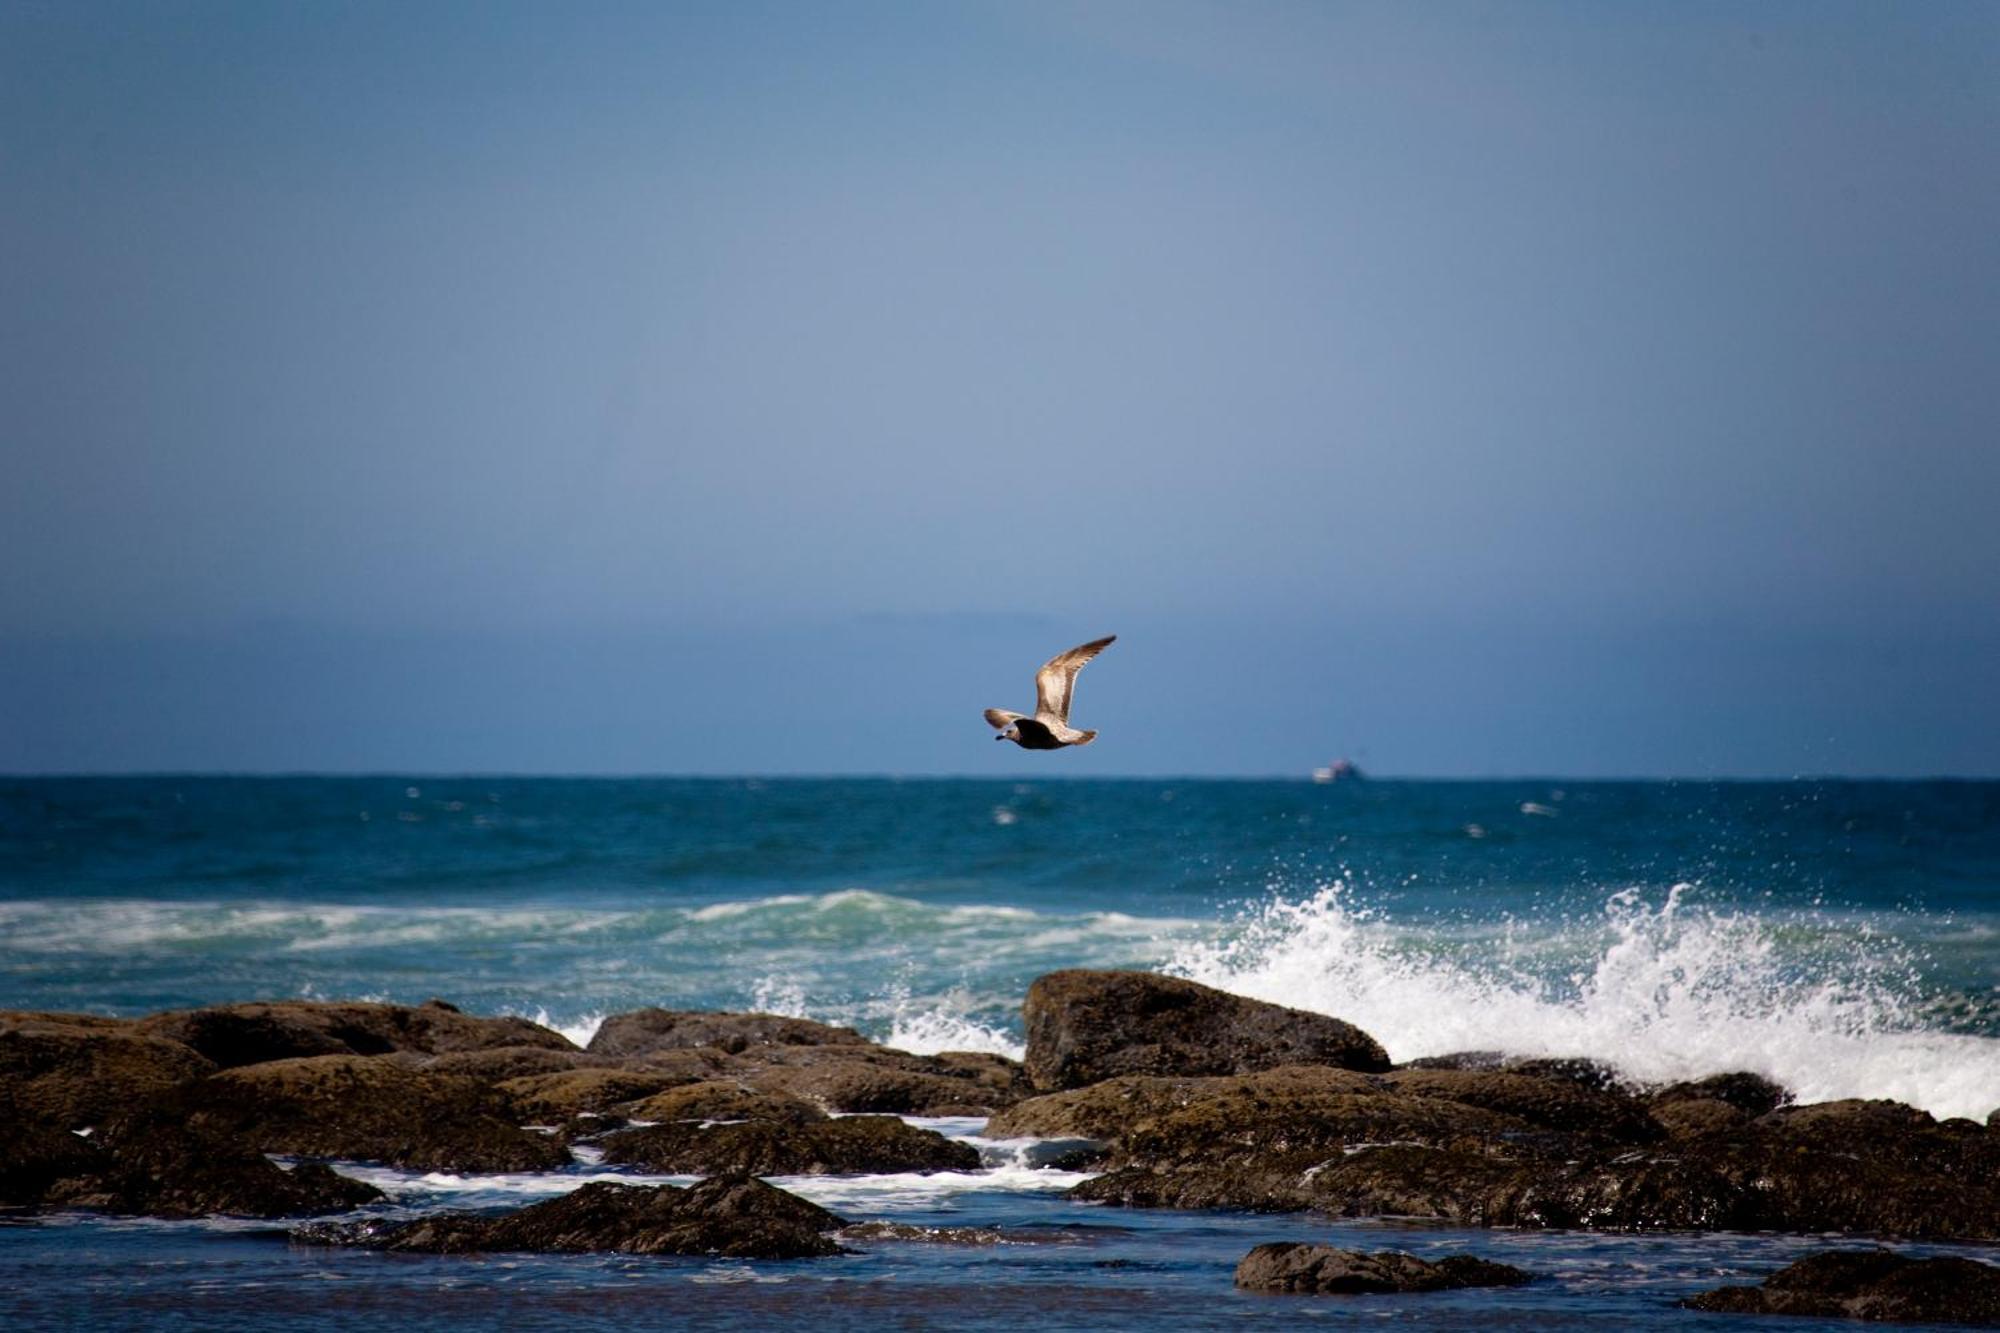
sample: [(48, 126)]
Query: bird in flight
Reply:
[(1049, 728)]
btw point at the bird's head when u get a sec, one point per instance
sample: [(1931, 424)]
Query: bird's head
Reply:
[(1011, 733)]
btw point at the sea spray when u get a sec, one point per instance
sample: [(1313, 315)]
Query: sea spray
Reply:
[(1662, 992)]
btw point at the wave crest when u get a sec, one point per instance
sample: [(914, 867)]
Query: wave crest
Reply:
[(1662, 992)]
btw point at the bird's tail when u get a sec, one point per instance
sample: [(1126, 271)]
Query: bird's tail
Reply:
[(1085, 739)]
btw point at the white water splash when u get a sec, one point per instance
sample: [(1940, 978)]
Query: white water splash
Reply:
[(579, 1031), (946, 1026), (1662, 993)]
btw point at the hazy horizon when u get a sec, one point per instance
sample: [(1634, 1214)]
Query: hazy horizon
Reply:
[(768, 388)]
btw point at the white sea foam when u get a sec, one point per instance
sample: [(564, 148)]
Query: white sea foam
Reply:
[(579, 1030), (947, 1027), (1664, 992)]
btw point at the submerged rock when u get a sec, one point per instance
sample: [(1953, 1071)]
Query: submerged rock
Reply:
[(366, 1109), (1869, 1284), (1298, 1267), (849, 1145), (734, 1217), (1087, 1026), (245, 1034)]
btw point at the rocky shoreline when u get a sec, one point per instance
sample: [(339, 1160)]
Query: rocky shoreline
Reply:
[(1176, 1095)]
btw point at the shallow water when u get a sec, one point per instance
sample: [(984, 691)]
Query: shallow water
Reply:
[(1842, 937)]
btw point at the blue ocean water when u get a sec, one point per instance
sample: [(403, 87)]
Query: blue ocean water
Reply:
[(1843, 937)]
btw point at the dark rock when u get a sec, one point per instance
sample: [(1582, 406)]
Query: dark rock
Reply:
[(687, 1064), (1699, 1117), (1322, 1269), (1571, 1106), (374, 1110), (151, 1164), (1087, 1026), (501, 1063), (1869, 1284), (852, 1144), (542, 1099), (718, 1100), (734, 1217), (645, 1030), (871, 1079), (1002, 1080), (1577, 1069), (73, 1075), (244, 1034), (1496, 1148), (1103, 1110), (1310, 1109), (1753, 1094), (34, 1157)]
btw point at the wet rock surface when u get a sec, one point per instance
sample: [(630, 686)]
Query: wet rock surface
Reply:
[(877, 1080), (728, 1216), (366, 1109), (69, 1074), (1087, 1026), (1869, 1284), (154, 1165), (245, 1034), (543, 1099), (1276, 1142), (1323, 1270), (720, 1100), (645, 1030), (849, 1145)]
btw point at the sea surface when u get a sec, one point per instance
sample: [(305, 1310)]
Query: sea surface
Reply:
[(1841, 937)]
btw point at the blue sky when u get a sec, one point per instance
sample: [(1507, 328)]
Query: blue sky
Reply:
[(1480, 389)]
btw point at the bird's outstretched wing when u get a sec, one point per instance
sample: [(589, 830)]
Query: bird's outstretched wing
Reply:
[(1056, 681), (1000, 719)]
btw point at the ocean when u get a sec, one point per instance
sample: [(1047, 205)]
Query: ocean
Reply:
[(1840, 937)]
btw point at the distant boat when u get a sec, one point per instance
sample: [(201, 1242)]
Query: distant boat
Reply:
[(1340, 770)]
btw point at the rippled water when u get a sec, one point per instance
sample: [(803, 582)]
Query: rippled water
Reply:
[(1842, 937)]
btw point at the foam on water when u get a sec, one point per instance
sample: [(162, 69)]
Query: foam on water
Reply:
[(1009, 1170), (1664, 992)]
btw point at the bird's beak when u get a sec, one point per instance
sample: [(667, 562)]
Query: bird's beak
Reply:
[(1001, 737)]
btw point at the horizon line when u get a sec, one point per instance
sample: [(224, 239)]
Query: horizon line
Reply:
[(522, 775)]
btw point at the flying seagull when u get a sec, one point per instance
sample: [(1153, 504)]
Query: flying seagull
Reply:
[(1049, 728)]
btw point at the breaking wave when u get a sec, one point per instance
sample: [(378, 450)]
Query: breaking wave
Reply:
[(1663, 991)]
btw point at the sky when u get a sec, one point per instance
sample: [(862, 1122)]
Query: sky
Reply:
[(1470, 389)]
